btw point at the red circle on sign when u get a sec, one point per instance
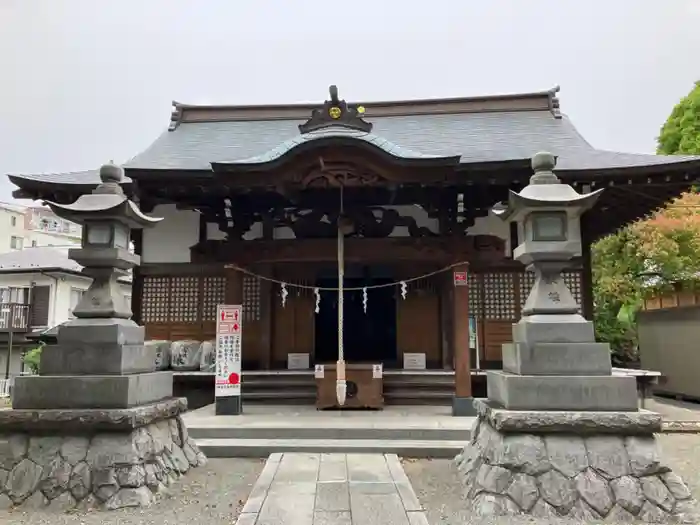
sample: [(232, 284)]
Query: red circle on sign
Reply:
[(233, 378)]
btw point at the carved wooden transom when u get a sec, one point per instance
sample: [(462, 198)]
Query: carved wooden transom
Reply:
[(339, 176)]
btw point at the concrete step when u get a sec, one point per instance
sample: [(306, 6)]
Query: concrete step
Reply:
[(310, 431), (261, 448)]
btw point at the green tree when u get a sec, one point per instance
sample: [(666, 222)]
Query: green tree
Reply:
[(680, 135), (646, 257)]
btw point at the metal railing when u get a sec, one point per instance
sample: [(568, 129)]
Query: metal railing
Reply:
[(14, 316)]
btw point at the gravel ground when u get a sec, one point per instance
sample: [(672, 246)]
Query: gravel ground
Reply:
[(212, 495), (439, 488)]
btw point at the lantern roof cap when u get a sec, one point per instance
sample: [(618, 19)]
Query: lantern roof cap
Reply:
[(107, 202), (544, 191)]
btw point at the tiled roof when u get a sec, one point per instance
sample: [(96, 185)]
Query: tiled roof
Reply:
[(37, 259), (337, 132), (87, 177), (41, 258), (476, 137)]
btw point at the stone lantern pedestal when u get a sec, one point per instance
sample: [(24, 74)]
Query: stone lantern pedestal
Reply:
[(559, 435), (98, 427)]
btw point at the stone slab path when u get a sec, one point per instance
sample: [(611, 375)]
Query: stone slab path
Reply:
[(332, 489)]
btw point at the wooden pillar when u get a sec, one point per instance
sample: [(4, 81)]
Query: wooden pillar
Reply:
[(463, 401), (266, 317), (586, 269), (234, 287), (446, 290), (137, 279)]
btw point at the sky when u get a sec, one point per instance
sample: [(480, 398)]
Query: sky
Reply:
[(83, 82)]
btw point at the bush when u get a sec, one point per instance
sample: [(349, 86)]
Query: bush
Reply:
[(32, 358)]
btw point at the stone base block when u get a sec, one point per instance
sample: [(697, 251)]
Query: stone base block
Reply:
[(616, 478), (228, 406), (463, 407), (79, 392), (573, 359), (553, 328), (598, 393), (97, 359), (98, 331), (85, 470), (640, 422)]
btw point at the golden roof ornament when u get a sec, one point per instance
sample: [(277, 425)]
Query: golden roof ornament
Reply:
[(336, 113)]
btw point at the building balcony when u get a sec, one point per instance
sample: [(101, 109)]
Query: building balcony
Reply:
[(14, 317)]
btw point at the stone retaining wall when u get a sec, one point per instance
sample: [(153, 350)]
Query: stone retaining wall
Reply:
[(108, 470), (589, 477)]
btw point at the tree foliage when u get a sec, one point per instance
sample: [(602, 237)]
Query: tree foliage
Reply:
[(32, 358), (651, 255), (680, 135)]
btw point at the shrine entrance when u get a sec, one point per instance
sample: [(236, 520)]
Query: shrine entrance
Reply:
[(369, 329)]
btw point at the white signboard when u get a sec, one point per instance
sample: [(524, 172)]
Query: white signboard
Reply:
[(297, 361), (414, 361), (229, 333), (377, 371), (319, 372)]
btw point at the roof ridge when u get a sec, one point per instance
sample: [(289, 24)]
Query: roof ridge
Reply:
[(179, 108)]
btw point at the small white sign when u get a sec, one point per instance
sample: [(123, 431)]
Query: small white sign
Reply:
[(377, 371), (229, 336), (414, 361), (318, 372), (297, 361)]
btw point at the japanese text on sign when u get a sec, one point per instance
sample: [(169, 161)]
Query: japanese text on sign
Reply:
[(460, 278), (229, 332)]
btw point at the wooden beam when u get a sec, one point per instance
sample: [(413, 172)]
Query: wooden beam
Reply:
[(439, 250)]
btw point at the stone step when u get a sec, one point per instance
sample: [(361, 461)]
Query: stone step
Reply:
[(319, 431), (262, 448)]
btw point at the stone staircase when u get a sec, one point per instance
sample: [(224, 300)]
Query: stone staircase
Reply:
[(401, 387), (424, 387), (292, 387), (263, 430), (287, 387)]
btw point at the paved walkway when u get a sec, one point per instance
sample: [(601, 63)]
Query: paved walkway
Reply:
[(332, 489)]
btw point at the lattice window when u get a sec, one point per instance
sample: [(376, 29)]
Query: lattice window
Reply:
[(527, 281), (184, 299), (499, 296), (475, 299), (573, 281), (422, 286), (214, 295), (155, 306), (571, 278), (251, 298)]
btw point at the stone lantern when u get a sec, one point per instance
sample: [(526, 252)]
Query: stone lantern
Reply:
[(98, 410), (102, 341), (560, 435), (554, 362)]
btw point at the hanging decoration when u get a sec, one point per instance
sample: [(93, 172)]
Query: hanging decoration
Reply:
[(317, 295), (283, 294), (284, 287)]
